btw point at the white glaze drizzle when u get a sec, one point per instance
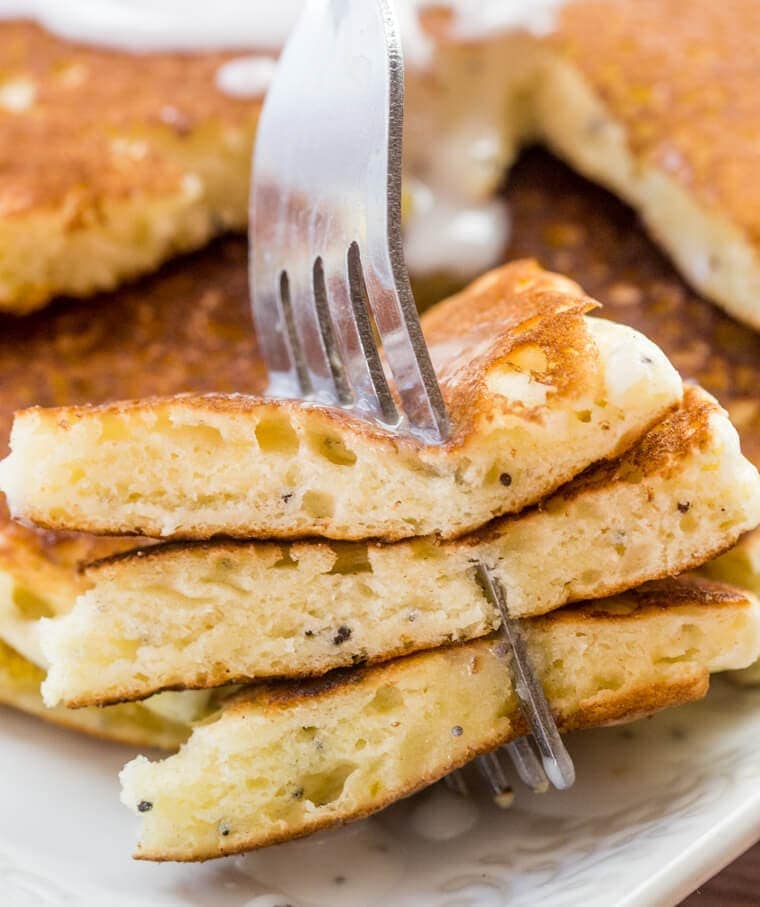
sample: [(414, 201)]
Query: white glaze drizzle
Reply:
[(199, 24), (460, 238), (346, 867), (474, 18), (246, 77), (153, 25)]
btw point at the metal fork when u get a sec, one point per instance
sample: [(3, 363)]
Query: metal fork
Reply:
[(329, 285)]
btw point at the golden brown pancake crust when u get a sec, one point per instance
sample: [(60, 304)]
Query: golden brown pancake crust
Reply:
[(687, 96), (660, 595), (575, 228), (61, 148), (469, 335), (504, 311)]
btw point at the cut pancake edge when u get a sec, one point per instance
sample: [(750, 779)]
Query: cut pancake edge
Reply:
[(131, 724), (740, 567), (198, 615), (643, 702), (307, 756), (161, 721)]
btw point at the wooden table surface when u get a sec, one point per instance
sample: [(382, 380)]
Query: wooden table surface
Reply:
[(737, 886)]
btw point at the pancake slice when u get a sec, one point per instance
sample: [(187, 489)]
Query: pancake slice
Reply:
[(39, 577), (286, 760), (536, 391), (741, 567), (660, 106), (111, 163), (130, 723), (202, 615)]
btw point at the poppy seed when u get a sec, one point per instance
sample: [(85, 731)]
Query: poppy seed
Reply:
[(342, 635)]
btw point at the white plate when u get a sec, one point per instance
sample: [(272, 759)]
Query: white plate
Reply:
[(658, 808)]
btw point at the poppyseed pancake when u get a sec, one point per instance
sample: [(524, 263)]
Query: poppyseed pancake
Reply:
[(195, 616), (283, 761)]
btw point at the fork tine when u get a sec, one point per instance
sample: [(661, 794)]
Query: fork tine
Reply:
[(456, 782), (277, 341), (353, 355), (527, 765), (493, 771), (289, 333), (360, 306), (533, 703), (327, 330), (309, 329), (406, 353)]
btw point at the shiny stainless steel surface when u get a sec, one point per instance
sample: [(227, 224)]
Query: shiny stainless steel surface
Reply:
[(326, 223)]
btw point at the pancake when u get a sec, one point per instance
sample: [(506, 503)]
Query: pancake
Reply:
[(656, 99), (131, 723), (741, 567), (175, 617), (110, 163), (536, 392), (39, 577), (286, 760)]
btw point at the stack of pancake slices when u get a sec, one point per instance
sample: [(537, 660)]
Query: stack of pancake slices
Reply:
[(314, 602)]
